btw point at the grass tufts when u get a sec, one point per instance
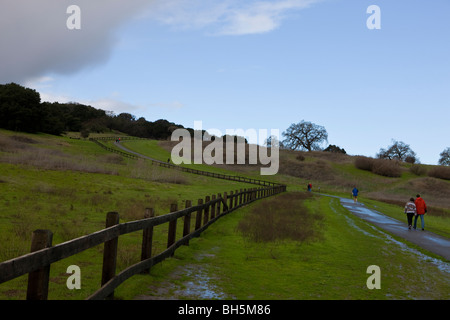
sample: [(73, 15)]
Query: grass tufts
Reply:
[(440, 172), (284, 217), (382, 167)]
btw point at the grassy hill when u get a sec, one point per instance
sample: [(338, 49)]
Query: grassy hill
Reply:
[(337, 174), (68, 185)]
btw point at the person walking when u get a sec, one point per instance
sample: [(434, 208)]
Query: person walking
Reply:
[(309, 187), (355, 194), (421, 208), (411, 211)]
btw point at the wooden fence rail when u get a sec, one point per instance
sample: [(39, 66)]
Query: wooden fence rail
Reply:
[(177, 167), (37, 263)]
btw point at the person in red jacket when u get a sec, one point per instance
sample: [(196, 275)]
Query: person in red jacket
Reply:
[(421, 208)]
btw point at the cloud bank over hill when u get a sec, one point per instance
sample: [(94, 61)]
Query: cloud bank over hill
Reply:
[(36, 40)]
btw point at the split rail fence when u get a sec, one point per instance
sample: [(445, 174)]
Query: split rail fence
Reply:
[(37, 263), (208, 210), (177, 167)]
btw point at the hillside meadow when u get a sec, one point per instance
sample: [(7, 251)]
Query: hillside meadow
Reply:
[(68, 185)]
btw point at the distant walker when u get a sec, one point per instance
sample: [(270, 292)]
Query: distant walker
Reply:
[(355, 194)]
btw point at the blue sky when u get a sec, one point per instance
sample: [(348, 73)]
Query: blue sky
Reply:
[(253, 64)]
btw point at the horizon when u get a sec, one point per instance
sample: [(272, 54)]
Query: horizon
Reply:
[(253, 65)]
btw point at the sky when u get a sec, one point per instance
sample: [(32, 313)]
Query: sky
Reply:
[(245, 64)]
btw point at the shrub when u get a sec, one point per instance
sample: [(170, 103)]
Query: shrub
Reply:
[(410, 159), (387, 168), (364, 163), (417, 169), (318, 170), (113, 159), (23, 139), (335, 149), (440, 172), (382, 167), (282, 218)]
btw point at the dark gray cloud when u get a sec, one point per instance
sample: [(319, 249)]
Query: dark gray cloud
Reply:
[(35, 40)]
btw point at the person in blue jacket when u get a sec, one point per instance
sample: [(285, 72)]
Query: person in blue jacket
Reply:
[(355, 194)]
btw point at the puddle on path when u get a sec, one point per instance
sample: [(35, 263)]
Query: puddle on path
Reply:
[(197, 286)]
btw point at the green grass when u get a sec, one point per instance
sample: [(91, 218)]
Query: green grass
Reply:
[(58, 194), (147, 147), (69, 185), (331, 268)]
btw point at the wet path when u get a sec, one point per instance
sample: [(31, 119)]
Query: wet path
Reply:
[(427, 240)]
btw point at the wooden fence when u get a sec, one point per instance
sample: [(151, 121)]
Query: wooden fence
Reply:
[(43, 254), (177, 167)]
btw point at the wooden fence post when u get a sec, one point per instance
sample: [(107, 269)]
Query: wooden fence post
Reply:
[(110, 252), (187, 221), (225, 199), (147, 238), (198, 218), (231, 200), (172, 227), (38, 280), (219, 196), (213, 207), (206, 214)]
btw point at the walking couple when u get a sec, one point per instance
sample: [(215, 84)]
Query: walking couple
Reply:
[(416, 208)]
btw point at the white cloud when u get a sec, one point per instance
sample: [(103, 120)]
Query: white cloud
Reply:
[(35, 39), (114, 102), (38, 83), (229, 17), (115, 105), (44, 85)]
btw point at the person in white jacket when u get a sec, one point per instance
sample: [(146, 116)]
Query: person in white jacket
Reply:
[(411, 211)]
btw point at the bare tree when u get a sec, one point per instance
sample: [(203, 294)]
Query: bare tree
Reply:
[(399, 151), (304, 135), (445, 157)]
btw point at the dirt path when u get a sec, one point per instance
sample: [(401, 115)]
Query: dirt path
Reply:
[(427, 240)]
